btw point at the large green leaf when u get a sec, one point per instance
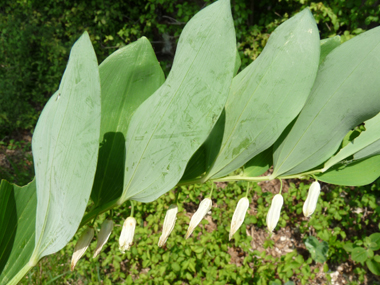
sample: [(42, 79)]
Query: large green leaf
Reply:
[(353, 173), (267, 95), (367, 144), (345, 94), (17, 224), (172, 124), (128, 77), (65, 148)]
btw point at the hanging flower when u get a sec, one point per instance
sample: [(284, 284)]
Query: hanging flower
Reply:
[(312, 199), (104, 234), (169, 222), (81, 246), (204, 207), (127, 233), (274, 212), (239, 215)]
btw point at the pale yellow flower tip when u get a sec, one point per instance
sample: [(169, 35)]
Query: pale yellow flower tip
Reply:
[(81, 246), (169, 222), (239, 215), (127, 233), (274, 212), (204, 207), (312, 199), (104, 234)]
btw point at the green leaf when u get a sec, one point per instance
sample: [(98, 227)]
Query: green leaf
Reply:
[(355, 173), (365, 145), (348, 246), (128, 77), (17, 224), (267, 95), (65, 148), (318, 250), (327, 45), (171, 125), (345, 94), (375, 238), (377, 258), (259, 164), (359, 254), (373, 266), (370, 253)]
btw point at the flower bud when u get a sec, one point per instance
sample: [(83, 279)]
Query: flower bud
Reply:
[(169, 222), (81, 246), (312, 199), (104, 234), (239, 215), (127, 233), (274, 212), (204, 207)]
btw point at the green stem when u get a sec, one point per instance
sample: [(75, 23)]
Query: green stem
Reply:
[(132, 208), (247, 190), (301, 175), (243, 178), (281, 186), (212, 188), (104, 208), (16, 279), (177, 195)]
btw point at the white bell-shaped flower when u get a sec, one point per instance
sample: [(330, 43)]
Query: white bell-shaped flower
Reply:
[(203, 208), (312, 199), (127, 233), (169, 222), (81, 246), (104, 234), (239, 215), (274, 212)]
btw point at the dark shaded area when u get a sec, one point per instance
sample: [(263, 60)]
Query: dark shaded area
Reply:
[(203, 158), (109, 177), (8, 222)]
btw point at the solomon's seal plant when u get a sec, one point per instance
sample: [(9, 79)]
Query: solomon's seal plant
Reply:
[(120, 131)]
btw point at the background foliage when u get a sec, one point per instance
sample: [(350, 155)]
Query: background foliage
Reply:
[(35, 38)]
